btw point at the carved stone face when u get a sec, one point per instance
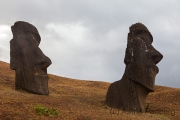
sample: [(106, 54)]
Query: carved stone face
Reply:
[(138, 80), (28, 60), (141, 57)]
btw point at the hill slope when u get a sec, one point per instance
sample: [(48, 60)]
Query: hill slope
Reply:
[(78, 100)]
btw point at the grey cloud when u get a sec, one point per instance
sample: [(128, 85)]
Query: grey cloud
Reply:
[(89, 38)]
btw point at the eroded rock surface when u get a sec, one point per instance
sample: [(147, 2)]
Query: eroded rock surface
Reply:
[(27, 59), (141, 57)]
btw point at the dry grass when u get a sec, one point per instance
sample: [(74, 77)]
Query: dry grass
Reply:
[(77, 100)]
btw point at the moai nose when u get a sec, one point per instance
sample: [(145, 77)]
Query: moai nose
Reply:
[(156, 56)]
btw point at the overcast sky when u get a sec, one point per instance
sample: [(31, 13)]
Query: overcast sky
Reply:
[(86, 39)]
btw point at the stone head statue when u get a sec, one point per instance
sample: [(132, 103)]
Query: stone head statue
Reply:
[(141, 57), (27, 59), (138, 80)]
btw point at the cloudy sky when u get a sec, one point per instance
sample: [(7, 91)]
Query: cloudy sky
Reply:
[(86, 39)]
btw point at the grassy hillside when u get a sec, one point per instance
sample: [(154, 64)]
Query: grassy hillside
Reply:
[(78, 100)]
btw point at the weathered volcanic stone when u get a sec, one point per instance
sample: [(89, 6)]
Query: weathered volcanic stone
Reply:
[(27, 59), (141, 57)]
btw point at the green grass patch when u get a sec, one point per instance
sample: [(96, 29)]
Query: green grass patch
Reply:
[(46, 111)]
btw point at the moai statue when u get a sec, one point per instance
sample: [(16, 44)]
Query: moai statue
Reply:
[(141, 57), (27, 59)]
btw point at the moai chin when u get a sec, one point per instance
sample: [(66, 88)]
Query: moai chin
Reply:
[(27, 59), (141, 57)]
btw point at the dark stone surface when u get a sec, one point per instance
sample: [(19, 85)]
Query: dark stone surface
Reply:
[(27, 59), (141, 57)]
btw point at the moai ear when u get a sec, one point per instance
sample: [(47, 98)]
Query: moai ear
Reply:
[(129, 53)]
